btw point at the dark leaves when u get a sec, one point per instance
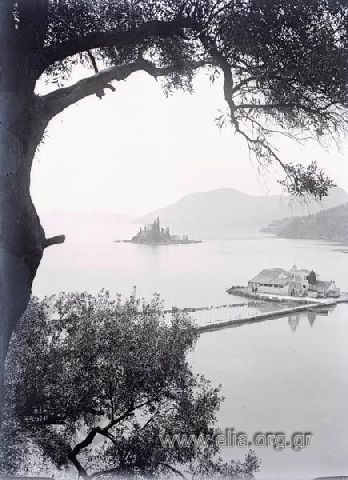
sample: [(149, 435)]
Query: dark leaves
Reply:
[(86, 368), (310, 180), (286, 61)]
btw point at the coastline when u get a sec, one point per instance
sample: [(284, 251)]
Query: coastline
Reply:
[(173, 242)]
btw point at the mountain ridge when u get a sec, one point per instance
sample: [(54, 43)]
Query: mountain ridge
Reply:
[(223, 211)]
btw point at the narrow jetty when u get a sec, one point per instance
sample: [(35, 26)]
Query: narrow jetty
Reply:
[(260, 317), (208, 308), (303, 306)]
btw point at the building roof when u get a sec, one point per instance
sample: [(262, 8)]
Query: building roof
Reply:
[(272, 276), (321, 286), (279, 276)]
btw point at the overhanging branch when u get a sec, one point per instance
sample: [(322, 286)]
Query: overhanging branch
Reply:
[(60, 99), (298, 180), (114, 38)]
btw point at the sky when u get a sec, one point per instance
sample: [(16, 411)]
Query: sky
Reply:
[(136, 150)]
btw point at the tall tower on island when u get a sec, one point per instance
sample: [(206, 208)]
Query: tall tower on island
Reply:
[(156, 230)]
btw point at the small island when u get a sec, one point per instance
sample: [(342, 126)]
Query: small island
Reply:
[(154, 234)]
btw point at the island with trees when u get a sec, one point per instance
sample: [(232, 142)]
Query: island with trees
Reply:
[(154, 234)]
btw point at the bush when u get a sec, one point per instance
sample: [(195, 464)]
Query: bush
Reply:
[(95, 383)]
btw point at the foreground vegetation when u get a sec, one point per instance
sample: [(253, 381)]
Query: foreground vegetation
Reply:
[(94, 384)]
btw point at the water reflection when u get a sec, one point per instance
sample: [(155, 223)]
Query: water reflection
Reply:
[(276, 378), (294, 320), (311, 318)]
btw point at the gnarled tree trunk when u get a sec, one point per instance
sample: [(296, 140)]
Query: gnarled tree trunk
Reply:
[(23, 120), (22, 238)]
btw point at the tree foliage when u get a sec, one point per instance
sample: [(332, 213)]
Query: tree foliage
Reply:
[(283, 63), (284, 66), (96, 383)]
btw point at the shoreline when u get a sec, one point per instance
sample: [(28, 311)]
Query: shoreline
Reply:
[(179, 242)]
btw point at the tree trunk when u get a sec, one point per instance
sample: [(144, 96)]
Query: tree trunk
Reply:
[(22, 238)]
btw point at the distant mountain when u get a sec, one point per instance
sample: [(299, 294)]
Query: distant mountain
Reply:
[(331, 224), (226, 211)]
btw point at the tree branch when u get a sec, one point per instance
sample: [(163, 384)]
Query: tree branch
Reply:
[(88, 440), (60, 99), (266, 106), (114, 38), (58, 239), (93, 61), (259, 144), (81, 471), (216, 11)]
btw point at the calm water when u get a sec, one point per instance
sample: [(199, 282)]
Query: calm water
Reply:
[(284, 375)]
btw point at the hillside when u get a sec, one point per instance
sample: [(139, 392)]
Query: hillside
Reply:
[(331, 224), (226, 211)]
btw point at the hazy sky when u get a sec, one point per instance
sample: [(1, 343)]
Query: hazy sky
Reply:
[(137, 150)]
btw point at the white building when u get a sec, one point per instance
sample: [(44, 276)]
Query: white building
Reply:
[(293, 282)]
